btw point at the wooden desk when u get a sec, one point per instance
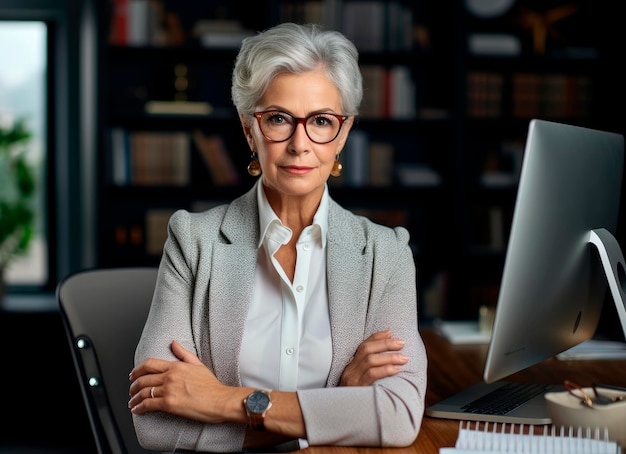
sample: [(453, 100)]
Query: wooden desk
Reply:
[(452, 368)]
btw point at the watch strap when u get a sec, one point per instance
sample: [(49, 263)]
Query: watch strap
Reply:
[(256, 421)]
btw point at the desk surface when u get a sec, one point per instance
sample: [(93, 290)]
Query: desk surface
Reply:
[(452, 368)]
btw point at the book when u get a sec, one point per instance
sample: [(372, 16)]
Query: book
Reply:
[(356, 158), (484, 94), (149, 158), (191, 108), (516, 438), (418, 174), (595, 349), (373, 91), (156, 229), (308, 11), (118, 35), (220, 33), (377, 26), (216, 158), (388, 92), (494, 44), (381, 164), (119, 149), (551, 95), (462, 331), (364, 23), (135, 22), (159, 158)]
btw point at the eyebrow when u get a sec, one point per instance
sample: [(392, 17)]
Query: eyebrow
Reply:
[(327, 110)]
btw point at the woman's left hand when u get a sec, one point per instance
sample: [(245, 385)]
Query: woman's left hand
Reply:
[(186, 388), (374, 359)]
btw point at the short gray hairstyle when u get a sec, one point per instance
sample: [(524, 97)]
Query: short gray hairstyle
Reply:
[(296, 49)]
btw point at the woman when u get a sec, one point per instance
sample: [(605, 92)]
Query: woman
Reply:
[(283, 289)]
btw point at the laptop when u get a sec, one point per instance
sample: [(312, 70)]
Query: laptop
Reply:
[(501, 402)]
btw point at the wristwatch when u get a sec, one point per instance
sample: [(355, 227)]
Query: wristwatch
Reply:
[(256, 405)]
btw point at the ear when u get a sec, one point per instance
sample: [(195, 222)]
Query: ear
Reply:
[(246, 124), (343, 136)]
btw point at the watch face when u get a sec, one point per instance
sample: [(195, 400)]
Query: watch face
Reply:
[(257, 402)]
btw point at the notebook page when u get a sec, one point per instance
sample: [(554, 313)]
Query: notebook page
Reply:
[(516, 438)]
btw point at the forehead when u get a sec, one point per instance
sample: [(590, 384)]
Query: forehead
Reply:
[(302, 93)]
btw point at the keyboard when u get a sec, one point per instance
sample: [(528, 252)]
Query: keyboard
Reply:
[(504, 399)]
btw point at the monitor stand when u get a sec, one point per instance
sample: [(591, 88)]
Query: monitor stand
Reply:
[(614, 268)]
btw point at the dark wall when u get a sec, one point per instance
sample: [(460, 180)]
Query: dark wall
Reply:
[(42, 403)]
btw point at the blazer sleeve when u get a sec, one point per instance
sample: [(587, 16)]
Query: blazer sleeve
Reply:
[(388, 413), (175, 301)]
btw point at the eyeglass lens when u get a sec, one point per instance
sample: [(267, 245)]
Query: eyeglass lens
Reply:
[(599, 399), (577, 391), (319, 127)]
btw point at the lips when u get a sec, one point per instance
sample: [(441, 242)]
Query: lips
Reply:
[(297, 169)]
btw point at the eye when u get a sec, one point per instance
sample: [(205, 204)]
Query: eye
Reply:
[(277, 118), (323, 120)]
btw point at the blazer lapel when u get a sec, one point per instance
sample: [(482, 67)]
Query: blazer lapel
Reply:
[(232, 282), (349, 280)]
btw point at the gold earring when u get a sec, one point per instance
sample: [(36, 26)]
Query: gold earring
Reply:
[(254, 168), (337, 169)]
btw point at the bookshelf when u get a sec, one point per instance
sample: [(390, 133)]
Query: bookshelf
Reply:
[(438, 146), (548, 60)]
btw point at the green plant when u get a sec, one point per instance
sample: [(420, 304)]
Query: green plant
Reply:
[(17, 187)]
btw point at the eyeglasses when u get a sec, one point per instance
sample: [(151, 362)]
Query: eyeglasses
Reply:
[(279, 126), (599, 399)]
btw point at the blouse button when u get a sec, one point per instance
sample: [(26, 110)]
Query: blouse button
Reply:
[(289, 351), (299, 288)]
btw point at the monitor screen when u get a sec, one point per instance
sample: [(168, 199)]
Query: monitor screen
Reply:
[(554, 283)]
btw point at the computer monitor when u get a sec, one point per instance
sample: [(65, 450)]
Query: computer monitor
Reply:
[(561, 257), (562, 254)]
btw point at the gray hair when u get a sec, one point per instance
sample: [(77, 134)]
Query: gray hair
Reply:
[(296, 49)]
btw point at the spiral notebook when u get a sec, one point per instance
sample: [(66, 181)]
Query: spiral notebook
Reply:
[(519, 438)]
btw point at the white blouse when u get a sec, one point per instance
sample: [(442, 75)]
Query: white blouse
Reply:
[(287, 344)]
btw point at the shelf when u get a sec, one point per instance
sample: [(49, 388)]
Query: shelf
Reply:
[(469, 138)]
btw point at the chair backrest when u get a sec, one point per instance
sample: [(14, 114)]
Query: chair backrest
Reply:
[(103, 312)]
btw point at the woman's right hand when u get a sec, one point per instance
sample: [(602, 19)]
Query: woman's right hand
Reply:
[(377, 357), (186, 388)]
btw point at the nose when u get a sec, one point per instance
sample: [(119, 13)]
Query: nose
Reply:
[(299, 141)]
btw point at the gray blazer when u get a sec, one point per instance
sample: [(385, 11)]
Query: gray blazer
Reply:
[(203, 290)]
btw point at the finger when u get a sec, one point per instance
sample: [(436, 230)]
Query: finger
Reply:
[(379, 346), (183, 354), (376, 373), (143, 395), (383, 359), (148, 380), (149, 366), (139, 385), (367, 376), (384, 334), (367, 369), (379, 365), (386, 362)]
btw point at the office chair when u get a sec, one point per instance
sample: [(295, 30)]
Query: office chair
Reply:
[(103, 313)]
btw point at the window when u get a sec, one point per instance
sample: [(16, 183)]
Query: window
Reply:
[(23, 95)]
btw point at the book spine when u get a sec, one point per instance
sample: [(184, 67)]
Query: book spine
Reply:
[(119, 23)]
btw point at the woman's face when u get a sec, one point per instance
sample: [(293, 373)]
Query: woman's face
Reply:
[(298, 166)]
